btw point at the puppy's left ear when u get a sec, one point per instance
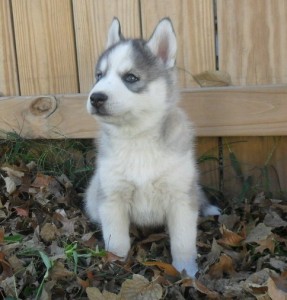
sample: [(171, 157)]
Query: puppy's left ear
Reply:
[(114, 35), (163, 42)]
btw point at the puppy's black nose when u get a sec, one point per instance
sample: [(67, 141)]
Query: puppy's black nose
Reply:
[(98, 99)]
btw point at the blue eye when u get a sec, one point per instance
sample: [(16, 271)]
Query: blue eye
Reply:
[(130, 78), (99, 75)]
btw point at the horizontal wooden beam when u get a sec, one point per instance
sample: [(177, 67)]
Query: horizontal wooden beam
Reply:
[(230, 111)]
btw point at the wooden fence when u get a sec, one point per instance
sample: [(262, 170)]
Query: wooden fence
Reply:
[(48, 49)]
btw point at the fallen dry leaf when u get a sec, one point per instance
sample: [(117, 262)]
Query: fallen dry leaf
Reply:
[(272, 219), (213, 78), (195, 283), (278, 264), (111, 257), (2, 233), (59, 272), (277, 287), (16, 264), (214, 253), (259, 233), (47, 290), (22, 212), (140, 288), (256, 283), (10, 185), (83, 283), (5, 267), (229, 238), (49, 232), (95, 294), (13, 172), (154, 238), (268, 243), (68, 225), (167, 268), (225, 265), (228, 220)]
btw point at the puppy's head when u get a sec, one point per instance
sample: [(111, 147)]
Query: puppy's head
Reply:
[(134, 77)]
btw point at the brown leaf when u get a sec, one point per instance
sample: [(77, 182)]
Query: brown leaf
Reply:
[(59, 271), (47, 290), (68, 225), (154, 238), (6, 267), (256, 282), (16, 264), (200, 287), (213, 78), (140, 288), (83, 283), (41, 180), (22, 212), (2, 232), (49, 232), (204, 290), (225, 265), (167, 268), (95, 294), (229, 238), (110, 257), (268, 243), (282, 207), (277, 287)]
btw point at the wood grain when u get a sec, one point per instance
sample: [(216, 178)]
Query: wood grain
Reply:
[(92, 20), (236, 111), (253, 41), (261, 158), (8, 66), (249, 111), (45, 46), (194, 26), (253, 50)]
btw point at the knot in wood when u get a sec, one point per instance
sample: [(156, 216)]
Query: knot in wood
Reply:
[(43, 106)]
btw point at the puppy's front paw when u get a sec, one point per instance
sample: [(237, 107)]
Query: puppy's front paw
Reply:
[(189, 266), (119, 247)]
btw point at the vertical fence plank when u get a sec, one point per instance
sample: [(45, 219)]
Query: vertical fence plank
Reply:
[(194, 25), (92, 20), (45, 46), (253, 41), (8, 67), (252, 49)]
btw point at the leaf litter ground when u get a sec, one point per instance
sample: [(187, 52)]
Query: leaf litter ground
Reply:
[(50, 250)]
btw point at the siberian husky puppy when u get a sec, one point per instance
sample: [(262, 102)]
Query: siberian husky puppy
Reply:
[(146, 171)]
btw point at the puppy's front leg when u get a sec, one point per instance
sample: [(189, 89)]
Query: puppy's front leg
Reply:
[(115, 226), (182, 225)]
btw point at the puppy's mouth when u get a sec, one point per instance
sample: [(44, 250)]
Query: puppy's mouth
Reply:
[(100, 111)]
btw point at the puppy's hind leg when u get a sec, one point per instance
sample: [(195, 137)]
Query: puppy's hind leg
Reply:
[(182, 226)]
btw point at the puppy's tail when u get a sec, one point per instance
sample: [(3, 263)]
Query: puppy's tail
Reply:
[(206, 208)]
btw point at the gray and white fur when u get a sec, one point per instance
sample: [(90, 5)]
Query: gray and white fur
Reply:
[(146, 171)]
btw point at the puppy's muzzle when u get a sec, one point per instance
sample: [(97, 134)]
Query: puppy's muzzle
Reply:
[(97, 101)]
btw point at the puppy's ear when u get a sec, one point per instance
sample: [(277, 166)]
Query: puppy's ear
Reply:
[(163, 42), (114, 34)]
